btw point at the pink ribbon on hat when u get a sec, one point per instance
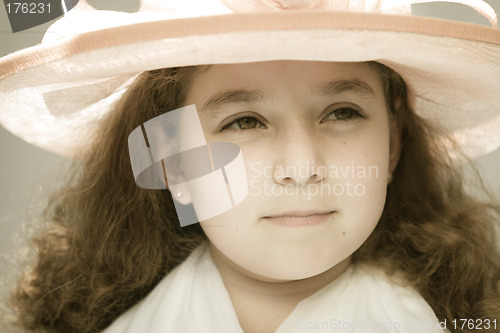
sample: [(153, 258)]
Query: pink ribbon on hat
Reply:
[(401, 7)]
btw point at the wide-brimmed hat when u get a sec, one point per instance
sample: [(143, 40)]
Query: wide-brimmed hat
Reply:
[(54, 94)]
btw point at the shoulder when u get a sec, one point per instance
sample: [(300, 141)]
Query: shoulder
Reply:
[(364, 298), (393, 300), (169, 296)]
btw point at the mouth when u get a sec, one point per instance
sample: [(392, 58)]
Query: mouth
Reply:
[(298, 218)]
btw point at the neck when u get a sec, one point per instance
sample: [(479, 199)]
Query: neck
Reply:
[(259, 299)]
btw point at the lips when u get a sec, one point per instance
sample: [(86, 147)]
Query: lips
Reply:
[(300, 217), (300, 213)]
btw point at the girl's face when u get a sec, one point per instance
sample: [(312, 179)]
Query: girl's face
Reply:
[(317, 145)]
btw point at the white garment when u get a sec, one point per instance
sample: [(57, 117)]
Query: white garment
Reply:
[(193, 298)]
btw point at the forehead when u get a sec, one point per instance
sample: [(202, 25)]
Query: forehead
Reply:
[(276, 75)]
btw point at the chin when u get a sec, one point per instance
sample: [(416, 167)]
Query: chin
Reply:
[(298, 268), (300, 273)]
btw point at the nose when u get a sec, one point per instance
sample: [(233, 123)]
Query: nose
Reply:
[(298, 158)]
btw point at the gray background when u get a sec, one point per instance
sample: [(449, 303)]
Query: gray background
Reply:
[(29, 174)]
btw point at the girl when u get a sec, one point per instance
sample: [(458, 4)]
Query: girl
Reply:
[(356, 216)]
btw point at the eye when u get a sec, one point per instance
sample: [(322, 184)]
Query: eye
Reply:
[(343, 113), (243, 123)]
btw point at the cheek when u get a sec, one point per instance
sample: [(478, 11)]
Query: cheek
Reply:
[(361, 209), (358, 179), (367, 162)]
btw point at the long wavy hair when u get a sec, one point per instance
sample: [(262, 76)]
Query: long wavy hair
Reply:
[(109, 242)]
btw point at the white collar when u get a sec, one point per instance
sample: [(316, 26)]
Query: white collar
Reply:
[(192, 298)]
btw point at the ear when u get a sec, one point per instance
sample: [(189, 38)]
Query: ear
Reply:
[(180, 193), (394, 147), (176, 181)]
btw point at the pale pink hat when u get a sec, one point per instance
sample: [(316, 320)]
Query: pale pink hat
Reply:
[(54, 94)]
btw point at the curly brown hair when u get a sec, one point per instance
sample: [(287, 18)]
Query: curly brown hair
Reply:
[(109, 242)]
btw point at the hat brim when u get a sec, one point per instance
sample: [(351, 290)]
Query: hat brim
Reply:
[(53, 95)]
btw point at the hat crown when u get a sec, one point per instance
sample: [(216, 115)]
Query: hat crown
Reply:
[(292, 4), (402, 7), (341, 5)]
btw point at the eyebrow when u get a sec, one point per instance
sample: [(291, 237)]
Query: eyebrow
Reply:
[(330, 88), (337, 87), (233, 96)]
